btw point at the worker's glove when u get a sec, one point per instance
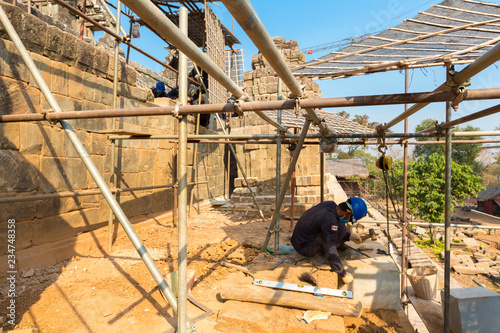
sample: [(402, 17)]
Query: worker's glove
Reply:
[(356, 238), (347, 278)]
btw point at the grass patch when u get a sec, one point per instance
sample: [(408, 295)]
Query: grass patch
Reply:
[(436, 247)]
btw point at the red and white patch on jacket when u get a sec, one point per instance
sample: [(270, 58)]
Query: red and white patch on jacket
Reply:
[(334, 228)]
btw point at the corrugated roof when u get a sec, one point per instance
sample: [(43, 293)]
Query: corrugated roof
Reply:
[(340, 124), (347, 168), (456, 30), (489, 193)]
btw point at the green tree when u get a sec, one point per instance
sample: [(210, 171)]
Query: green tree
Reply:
[(426, 191), (464, 154)]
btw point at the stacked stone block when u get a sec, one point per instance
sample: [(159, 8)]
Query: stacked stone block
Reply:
[(38, 158), (262, 82), (259, 160)]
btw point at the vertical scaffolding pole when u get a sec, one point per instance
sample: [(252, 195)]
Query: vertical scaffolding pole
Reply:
[(101, 183), (405, 194), (82, 23), (322, 176), (241, 169), (278, 170), (291, 167), (112, 177), (182, 318), (447, 216)]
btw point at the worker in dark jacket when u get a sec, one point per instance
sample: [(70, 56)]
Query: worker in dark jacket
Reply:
[(322, 229), (159, 90)]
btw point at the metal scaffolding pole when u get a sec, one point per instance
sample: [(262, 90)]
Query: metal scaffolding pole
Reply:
[(183, 324), (286, 182), (278, 171), (112, 177), (405, 188), (117, 36), (447, 217), (350, 101), (322, 176), (459, 78), (116, 21), (241, 169), (149, 13), (249, 21), (101, 183), (450, 123)]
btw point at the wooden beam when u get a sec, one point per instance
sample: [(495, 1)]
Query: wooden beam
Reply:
[(263, 295)]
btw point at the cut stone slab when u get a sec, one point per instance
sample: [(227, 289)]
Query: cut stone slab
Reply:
[(471, 243), (464, 258), (464, 269), (419, 231), (376, 283), (473, 310)]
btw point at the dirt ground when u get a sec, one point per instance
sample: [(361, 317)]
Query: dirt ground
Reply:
[(116, 293)]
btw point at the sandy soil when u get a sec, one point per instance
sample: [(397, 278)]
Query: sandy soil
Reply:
[(117, 294)]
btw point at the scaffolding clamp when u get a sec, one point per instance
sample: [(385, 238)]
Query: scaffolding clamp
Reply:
[(175, 112), (297, 106), (237, 104), (46, 116)]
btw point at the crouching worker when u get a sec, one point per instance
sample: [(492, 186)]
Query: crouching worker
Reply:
[(322, 229)]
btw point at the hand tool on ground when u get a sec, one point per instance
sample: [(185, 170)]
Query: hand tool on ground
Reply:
[(307, 289), (238, 267), (371, 234), (296, 261), (356, 250), (278, 263)]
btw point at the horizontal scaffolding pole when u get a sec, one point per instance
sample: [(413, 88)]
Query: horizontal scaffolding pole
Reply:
[(484, 61), (23, 198), (473, 94), (437, 225), (249, 21), (474, 116), (121, 39)]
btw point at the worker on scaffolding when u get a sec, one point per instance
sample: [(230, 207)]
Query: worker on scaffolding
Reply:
[(159, 90), (322, 229)]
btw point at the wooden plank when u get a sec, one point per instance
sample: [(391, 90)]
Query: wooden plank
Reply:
[(336, 306), (429, 311)]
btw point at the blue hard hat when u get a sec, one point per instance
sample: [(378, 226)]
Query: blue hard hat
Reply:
[(160, 86), (358, 207)]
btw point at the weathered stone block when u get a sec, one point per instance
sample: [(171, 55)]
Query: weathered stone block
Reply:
[(53, 43), (9, 136), (34, 33), (31, 140), (63, 174), (59, 81), (85, 58), (69, 52), (15, 16), (130, 76), (90, 87), (124, 90), (75, 83), (101, 62), (17, 174), (11, 63), (104, 92)]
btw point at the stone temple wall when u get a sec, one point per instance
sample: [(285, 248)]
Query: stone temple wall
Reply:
[(37, 158), (259, 160)]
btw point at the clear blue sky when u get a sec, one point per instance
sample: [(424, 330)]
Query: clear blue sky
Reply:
[(317, 22)]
